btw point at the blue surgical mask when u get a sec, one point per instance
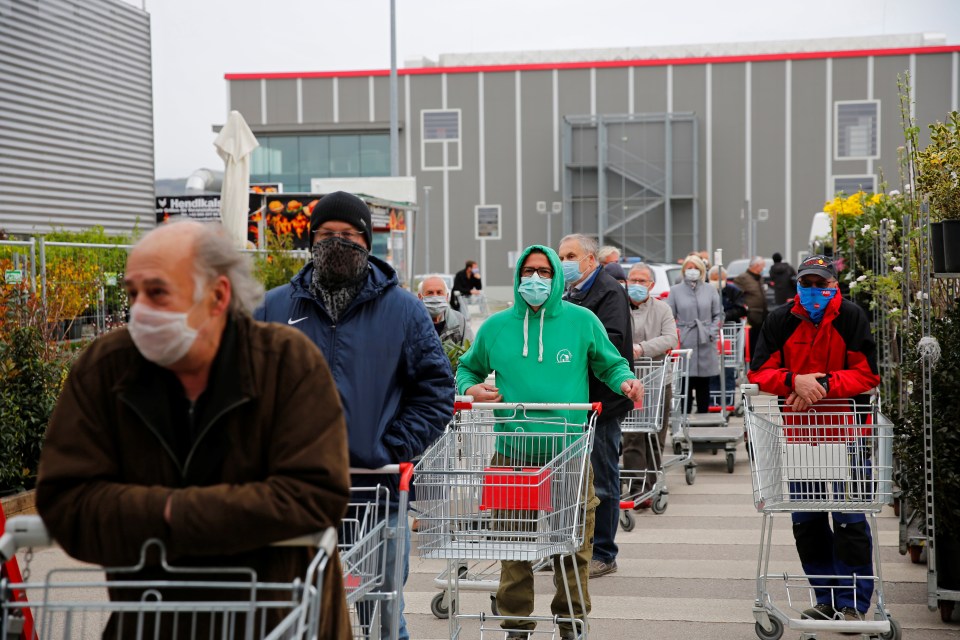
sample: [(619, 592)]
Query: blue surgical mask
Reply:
[(571, 271), (534, 289), (637, 292), (815, 300)]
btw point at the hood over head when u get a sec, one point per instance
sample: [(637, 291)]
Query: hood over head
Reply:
[(552, 305)]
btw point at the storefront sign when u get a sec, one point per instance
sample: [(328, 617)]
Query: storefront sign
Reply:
[(202, 208)]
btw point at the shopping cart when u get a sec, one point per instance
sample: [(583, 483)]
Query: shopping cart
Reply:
[(642, 427), (504, 482), (189, 602), (679, 418), (732, 346), (835, 457), (364, 533)]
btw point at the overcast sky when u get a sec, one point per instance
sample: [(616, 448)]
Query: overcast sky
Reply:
[(195, 42)]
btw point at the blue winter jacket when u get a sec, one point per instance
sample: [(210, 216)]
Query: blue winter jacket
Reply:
[(393, 376)]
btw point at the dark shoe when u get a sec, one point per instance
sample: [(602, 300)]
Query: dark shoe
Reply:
[(567, 634), (819, 612), (599, 568), (849, 614)]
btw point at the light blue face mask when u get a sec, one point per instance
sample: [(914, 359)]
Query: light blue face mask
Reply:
[(534, 289), (571, 271), (637, 292)]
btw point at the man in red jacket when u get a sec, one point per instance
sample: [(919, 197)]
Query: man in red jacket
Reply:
[(821, 347)]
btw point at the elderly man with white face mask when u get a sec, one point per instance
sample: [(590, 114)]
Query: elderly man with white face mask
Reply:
[(200, 427), (451, 326)]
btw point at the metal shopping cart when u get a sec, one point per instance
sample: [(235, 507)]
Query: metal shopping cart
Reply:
[(642, 428), (364, 534), (505, 482), (679, 417), (189, 602), (732, 347), (836, 457)]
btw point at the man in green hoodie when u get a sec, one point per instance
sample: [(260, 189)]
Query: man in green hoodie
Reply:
[(541, 350)]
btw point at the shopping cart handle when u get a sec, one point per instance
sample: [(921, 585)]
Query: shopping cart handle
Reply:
[(598, 407), (750, 389), (627, 504), (463, 405), (21, 532)]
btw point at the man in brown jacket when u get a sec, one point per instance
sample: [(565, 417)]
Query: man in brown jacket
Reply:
[(197, 426), (751, 282)]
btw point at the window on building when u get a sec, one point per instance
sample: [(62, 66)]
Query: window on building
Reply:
[(857, 130), (851, 184), (440, 144), (296, 160)]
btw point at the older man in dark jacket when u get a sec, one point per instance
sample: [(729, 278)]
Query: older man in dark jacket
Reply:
[(590, 286), (751, 282), (393, 376), (197, 426)]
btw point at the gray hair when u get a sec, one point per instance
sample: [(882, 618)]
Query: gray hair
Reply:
[(605, 251), (755, 260), (216, 255), (588, 244), (643, 266), (432, 275), (714, 270)]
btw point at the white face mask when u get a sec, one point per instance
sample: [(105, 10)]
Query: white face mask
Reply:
[(692, 275), (436, 305), (162, 337)]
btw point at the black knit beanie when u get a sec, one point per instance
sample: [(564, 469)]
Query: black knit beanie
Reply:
[(344, 207)]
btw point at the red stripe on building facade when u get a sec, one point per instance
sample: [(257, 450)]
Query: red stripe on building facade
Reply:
[(599, 64)]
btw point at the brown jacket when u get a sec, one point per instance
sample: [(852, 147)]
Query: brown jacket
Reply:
[(268, 461), (754, 297)]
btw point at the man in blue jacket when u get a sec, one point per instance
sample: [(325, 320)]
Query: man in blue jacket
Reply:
[(394, 379)]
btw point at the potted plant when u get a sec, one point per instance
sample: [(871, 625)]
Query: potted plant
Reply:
[(938, 167)]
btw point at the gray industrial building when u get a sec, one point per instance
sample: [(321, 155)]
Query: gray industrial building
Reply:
[(656, 150), (76, 116)]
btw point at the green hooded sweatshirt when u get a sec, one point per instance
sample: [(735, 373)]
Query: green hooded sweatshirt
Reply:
[(542, 356)]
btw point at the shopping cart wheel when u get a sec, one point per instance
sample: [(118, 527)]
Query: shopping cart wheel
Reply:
[(731, 461), (438, 606), (494, 609), (895, 632), (946, 610), (660, 504), (690, 473), (775, 632), (627, 520)]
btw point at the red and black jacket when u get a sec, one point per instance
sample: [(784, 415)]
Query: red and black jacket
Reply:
[(841, 346)]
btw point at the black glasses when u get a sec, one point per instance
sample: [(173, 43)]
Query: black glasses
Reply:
[(326, 234), (543, 272), (819, 284)]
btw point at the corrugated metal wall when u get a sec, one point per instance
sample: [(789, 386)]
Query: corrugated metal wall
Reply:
[(76, 115)]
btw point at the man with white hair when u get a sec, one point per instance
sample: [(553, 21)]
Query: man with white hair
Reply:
[(589, 286), (451, 326), (751, 283), (200, 427), (607, 255)]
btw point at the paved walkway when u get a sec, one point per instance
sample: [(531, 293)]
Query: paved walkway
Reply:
[(690, 572)]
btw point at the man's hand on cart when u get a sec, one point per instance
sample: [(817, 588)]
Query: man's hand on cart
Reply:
[(633, 389), (484, 393), (807, 391)]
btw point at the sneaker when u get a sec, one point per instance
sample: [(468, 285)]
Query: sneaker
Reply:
[(822, 611), (600, 568)]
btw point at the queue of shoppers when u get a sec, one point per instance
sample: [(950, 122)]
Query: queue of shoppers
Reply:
[(342, 367)]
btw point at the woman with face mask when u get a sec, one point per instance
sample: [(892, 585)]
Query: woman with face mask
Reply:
[(698, 311)]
